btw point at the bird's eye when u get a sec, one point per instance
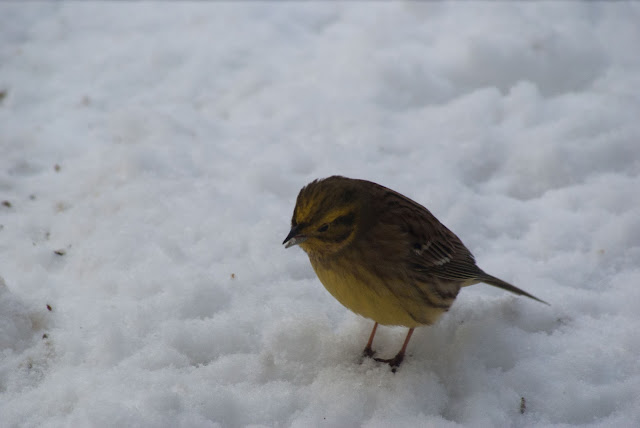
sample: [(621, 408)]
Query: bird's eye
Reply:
[(323, 228)]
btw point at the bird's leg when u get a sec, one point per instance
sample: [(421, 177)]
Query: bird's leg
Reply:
[(395, 361), (368, 352)]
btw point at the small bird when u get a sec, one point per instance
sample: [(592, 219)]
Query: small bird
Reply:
[(382, 255)]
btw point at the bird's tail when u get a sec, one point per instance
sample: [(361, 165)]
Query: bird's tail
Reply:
[(496, 282)]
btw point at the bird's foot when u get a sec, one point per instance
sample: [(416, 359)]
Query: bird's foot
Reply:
[(393, 362), (368, 352)]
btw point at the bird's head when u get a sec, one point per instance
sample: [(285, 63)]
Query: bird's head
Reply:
[(326, 217)]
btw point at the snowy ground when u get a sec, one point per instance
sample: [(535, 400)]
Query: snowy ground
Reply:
[(150, 159)]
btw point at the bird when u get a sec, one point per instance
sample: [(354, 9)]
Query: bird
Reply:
[(383, 255)]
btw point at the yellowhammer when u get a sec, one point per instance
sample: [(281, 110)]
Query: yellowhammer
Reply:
[(383, 255)]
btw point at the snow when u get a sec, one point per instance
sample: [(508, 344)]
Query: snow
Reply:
[(150, 158)]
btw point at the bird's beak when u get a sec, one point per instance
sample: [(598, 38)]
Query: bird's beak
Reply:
[(294, 238)]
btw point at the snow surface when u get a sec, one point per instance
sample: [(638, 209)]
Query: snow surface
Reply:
[(151, 156)]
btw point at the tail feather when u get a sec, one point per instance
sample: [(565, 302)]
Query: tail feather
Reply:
[(496, 282)]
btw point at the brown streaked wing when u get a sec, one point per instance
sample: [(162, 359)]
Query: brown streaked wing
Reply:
[(433, 249)]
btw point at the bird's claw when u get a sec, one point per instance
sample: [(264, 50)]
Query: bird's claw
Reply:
[(393, 362), (368, 352)]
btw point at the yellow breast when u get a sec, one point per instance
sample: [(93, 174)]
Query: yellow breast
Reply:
[(366, 294)]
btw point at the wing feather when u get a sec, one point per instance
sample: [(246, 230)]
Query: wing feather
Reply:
[(433, 249)]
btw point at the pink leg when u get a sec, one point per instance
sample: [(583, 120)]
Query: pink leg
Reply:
[(368, 352), (395, 361)]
